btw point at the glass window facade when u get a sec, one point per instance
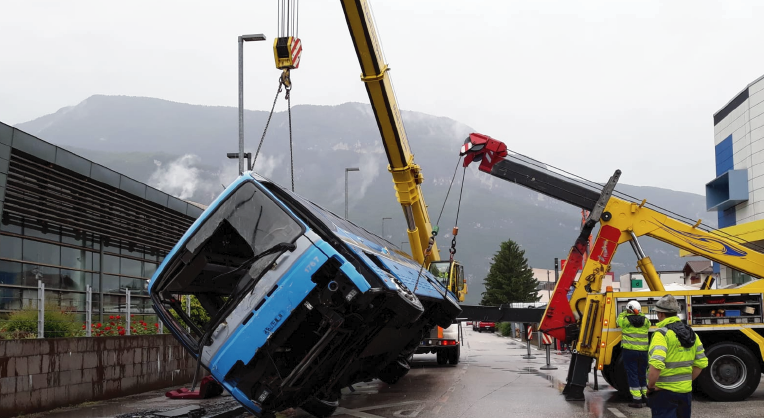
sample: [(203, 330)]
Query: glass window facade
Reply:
[(67, 260), (72, 224)]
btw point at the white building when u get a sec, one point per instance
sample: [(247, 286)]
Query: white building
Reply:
[(737, 193), (634, 281)]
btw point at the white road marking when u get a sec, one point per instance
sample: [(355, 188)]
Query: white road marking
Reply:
[(436, 409), (387, 405), (617, 413), (359, 414), (408, 413)]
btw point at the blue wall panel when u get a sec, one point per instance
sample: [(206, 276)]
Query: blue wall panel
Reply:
[(724, 153)]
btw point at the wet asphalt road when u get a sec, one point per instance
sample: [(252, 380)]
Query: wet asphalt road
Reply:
[(492, 380)]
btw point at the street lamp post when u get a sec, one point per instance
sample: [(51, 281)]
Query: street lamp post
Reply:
[(346, 187), (242, 39), (247, 155), (383, 226)]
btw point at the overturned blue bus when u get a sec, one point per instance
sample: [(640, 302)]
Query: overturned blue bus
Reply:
[(301, 302)]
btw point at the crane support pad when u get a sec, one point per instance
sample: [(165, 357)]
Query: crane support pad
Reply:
[(546, 182), (501, 314)]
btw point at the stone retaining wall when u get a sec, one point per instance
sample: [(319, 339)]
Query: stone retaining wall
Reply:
[(43, 374)]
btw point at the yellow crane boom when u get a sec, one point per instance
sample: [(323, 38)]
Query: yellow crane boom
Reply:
[(407, 176)]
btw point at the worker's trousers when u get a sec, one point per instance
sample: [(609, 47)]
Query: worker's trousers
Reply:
[(668, 404), (636, 372)]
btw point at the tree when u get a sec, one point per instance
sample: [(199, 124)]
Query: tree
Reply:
[(509, 279)]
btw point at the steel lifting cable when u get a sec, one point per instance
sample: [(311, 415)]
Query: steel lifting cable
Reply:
[(437, 228), (452, 250), (268, 122), (291, 154)]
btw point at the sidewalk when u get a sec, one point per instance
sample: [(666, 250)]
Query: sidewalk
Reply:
[(561, 361), (142, 405)]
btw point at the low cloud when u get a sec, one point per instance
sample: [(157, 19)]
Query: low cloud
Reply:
[(179, 178)]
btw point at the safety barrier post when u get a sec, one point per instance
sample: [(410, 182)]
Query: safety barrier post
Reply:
[(188, 310), (547, 340), (40, 309), (88, 311), (127, 311), (530, 336)]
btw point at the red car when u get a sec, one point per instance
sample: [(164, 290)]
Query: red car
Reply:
[(481, 326)]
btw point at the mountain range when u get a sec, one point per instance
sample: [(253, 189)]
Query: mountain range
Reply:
[(181, 149)]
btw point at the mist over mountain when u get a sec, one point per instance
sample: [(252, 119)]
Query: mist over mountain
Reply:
[(181, 149)]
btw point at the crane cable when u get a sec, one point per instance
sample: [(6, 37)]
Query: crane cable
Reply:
[(436, 228), (287, 22)]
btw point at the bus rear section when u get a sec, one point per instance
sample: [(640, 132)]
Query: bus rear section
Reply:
[(288, 313)]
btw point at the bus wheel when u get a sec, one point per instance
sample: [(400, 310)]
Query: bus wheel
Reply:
[(321, 408), (733, 372)]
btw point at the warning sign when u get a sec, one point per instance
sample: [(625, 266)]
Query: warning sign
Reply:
[(606, 244)]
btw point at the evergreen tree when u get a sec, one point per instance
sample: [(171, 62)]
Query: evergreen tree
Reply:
[(509, 279)]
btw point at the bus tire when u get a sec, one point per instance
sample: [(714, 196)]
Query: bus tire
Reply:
[(733, 372), (321, 408), (394, 371)]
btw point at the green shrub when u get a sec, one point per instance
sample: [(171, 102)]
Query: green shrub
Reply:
[(23, 323), (505, 329), (199, 315)]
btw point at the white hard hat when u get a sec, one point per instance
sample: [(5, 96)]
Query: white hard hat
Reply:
[(634, 307)]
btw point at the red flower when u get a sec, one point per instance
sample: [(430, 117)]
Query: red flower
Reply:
[(111, 316), (156, 325), (83, 326), (117, 316), (111, 323), (120, 327), (132, 316), (98, 325), (121, 332), (107, 328)]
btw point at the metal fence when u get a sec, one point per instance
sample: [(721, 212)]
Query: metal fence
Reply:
[(40, 313)]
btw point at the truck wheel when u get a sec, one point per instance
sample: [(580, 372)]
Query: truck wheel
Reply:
[(394, 371), (440, 355), (733, 372), (453, 355), (321, 408), (615, 375)]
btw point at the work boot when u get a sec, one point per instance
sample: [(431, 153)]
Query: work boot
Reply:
[(636, 404), (644, 399)]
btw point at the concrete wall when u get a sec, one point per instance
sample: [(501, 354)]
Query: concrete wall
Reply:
[(43, 374)]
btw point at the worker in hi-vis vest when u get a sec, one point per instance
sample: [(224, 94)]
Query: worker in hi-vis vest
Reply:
[(676, 359), (634, 343)]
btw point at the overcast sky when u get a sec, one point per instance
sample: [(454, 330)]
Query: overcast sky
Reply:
[(586, 86)]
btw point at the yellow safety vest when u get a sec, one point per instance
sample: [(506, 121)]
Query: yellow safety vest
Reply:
[(633, 338), (674, 361)]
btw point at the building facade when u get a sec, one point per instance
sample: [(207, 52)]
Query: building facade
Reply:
[(737, 192), (635, 281), (72, 223)]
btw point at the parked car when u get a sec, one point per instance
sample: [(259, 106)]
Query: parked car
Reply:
[(486, 326)]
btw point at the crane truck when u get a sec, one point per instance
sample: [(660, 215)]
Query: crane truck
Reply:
[(729, 321)]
